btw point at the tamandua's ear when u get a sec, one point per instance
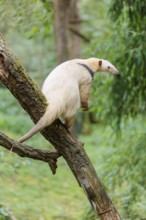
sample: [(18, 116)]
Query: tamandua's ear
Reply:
[(100, 62)]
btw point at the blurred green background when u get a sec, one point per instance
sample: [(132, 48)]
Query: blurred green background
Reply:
[(115, 142)]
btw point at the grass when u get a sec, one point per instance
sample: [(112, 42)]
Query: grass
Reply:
[(31, 192)]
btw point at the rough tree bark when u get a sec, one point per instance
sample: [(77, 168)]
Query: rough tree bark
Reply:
[(14, 77)]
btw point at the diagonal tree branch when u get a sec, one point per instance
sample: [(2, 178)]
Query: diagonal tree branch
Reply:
[(26, 151), (14, 77)]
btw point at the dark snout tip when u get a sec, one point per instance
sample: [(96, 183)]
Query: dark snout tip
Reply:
[(118, 75)]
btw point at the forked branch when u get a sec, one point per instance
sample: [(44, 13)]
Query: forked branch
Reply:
[(26, 151)]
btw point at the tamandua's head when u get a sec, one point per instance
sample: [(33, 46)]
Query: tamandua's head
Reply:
[(106, 66)]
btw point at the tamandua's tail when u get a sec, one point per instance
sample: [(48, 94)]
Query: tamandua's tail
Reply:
[(49, 116)]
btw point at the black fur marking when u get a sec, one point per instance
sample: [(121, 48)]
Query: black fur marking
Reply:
[(87, 68)]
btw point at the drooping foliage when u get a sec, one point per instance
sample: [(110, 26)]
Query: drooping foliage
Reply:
[(129, 94), (124, 45)]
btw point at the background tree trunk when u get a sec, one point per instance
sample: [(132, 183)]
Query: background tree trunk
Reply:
[(68, 44), (74, 41)]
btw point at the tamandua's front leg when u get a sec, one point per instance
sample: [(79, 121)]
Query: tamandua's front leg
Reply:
[(84, 95)]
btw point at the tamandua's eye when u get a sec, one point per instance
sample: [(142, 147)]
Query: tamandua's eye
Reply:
[(108, 67)]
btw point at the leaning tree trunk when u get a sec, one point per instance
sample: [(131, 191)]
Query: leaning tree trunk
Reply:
[(14, 77)]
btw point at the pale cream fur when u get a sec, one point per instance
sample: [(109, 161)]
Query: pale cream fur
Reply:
[(67, 89)]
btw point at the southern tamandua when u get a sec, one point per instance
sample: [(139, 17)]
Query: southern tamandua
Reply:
[(67, 89)]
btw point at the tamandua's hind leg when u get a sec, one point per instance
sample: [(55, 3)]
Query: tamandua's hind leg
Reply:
[(69, 121)]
